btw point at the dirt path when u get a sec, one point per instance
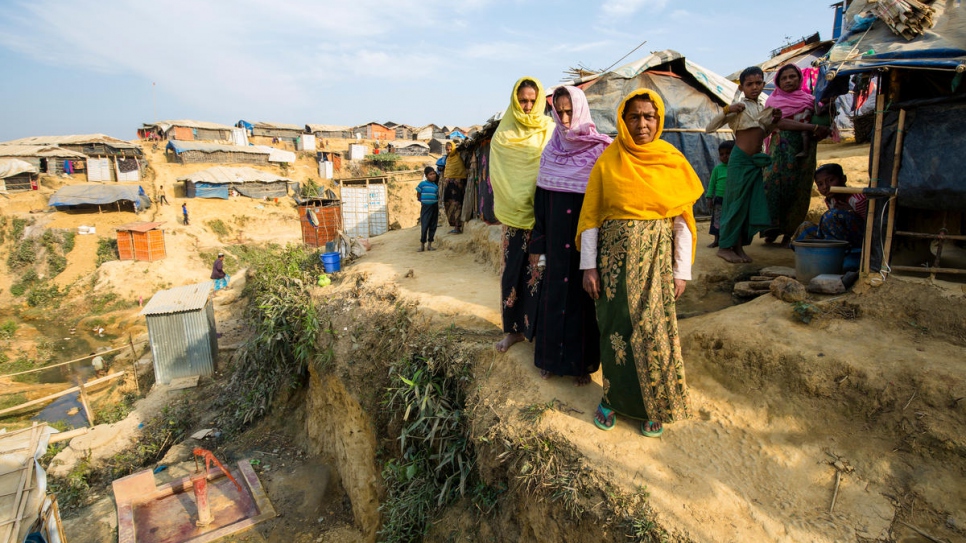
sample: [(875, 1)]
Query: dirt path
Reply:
[(755, 461)]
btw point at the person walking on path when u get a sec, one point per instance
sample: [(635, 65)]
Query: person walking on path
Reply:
[(454, 188), (218, 273), (637, 239), (515, 151), (184, 213), (162, 199), (427, 192), (566, 338)]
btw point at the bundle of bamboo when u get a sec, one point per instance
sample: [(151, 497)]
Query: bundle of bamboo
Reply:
[(906, 18)]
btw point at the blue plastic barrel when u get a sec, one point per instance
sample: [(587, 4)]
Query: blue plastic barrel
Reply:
[(331, 262), (817, 256)]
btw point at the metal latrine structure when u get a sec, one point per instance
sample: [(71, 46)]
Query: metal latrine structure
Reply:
[(181, 330)]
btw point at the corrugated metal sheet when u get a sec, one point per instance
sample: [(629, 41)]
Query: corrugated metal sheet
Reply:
[(183, 344), (178, 300), (224, 174)]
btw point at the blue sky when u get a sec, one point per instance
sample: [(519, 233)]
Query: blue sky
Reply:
[(79, 66)]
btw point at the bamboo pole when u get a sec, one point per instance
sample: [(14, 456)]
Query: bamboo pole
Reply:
[(873, 180), (893, 202), (56, 395), (65, 363), (134, 363), (88, 412)]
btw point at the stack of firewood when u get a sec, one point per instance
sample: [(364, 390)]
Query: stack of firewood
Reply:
[(906, 18)]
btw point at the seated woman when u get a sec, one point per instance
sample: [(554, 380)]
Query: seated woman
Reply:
[(845, 218)]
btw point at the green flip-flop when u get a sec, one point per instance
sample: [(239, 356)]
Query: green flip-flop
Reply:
[(651, 433), (609, 415)]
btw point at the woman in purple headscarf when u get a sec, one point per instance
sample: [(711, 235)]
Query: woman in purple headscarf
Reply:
[(567, 341)]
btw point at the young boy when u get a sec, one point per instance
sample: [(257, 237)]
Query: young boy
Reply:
[(427, 192), (744, 211), (716, 189)]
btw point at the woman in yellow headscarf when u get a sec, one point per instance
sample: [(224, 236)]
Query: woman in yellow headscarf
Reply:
[(637, 237), (515, 153)]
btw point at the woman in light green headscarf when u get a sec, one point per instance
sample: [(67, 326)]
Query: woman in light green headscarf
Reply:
[(514, 163)]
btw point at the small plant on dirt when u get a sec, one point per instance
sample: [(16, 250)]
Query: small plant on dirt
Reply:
[(10, 400), (112, 412), (383, 161), (45, 294), (69, 240), (22, 254), (55, 264), (535, 411), (106, 250), (27, 279), (8, 328), (19, 225), (219, 227)]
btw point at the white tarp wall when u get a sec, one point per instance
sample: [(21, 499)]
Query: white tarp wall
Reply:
[(325, 170), (99, 169), (306, 142), (133, 175), (239, 136), (357, 151), (364, 210)]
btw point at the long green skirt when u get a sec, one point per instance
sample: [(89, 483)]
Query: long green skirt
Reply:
[(744, 211), (788, 181), (639, 344)]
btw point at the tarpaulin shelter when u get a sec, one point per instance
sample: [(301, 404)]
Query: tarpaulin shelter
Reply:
[(216, 182), (192, 152), (96, 194), (49, 159), (692, 95), (329, 131), (923, 108), (284, 132), (17, 175)]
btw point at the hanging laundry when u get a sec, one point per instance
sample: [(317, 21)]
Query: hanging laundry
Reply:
[(125, 165)]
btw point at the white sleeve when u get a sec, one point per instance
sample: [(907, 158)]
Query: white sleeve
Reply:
[(682, 249), (588, 249)]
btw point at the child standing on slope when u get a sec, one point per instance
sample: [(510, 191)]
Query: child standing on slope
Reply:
[(716, 188), (427, 192)]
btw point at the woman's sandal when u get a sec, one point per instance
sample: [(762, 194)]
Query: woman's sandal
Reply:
[(652, 433), (608, 416)]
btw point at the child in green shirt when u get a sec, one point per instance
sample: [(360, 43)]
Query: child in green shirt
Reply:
[(716, 188)]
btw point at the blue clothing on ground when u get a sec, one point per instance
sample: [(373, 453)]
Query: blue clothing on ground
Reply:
[(427, 192)]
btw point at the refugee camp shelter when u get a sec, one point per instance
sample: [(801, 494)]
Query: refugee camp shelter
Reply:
[(48, 159), (411, 148), (365, 209), (329, 131), (195, 152), (100, 197), (27, 506), (141, 241), (284, 132), (185, 130), (108, 159), (427, 132), (181, 331), (320, 220), (375, 131), (216, 183), (437, 146), (17, 175), (456, 133), (692, 95), (918, 149), (403, 131)]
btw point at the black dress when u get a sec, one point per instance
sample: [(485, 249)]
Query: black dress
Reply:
[(567, 340)]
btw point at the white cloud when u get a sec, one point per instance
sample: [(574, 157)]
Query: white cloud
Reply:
[(618, 8)]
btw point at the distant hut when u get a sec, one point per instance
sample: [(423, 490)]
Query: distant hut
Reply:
[(427, 132), (404, 131), (329, 131), (194, 152), (216, 183), (437, 146), (48, 159), (411, 148), (375, 131), (185, 130), (17, 175), (181, 331), (108, 159), (140, 241), (283, 132), (456, 134)]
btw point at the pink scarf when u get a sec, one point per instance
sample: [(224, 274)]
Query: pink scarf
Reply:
[(571, 153), (791, 103)]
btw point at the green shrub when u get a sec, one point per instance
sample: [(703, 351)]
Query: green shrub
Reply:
[(218, 226), (106, 250), (69, 241), (19, 225), (8, 329), (44, 294), (28, 278), (55, 263), (22, 254)]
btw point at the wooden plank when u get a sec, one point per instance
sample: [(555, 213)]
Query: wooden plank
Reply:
[(896, 164), (61, 393)]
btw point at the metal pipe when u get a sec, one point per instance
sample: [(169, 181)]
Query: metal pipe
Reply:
[(199, 484)]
